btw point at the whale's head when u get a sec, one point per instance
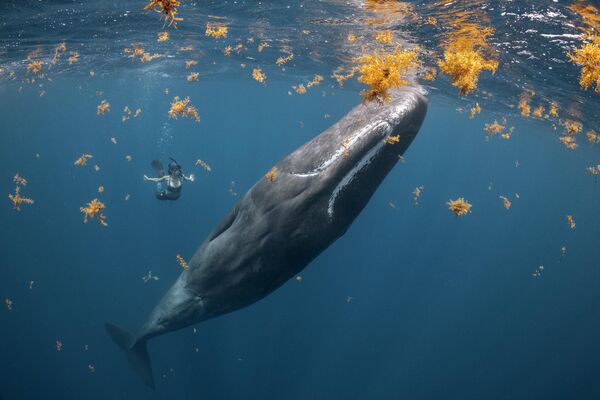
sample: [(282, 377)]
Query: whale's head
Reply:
[(347, 162)]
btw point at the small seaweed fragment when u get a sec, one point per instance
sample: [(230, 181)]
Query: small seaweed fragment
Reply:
[(227, 50), (190, 63), (193, 77), (93, 210), (417, 195), (592, 137), (82, 161), (475, 110), (203, 164), (429, 73), (572, 127), (103, 107), (351, 37), (383, 71), (272, 174), (35, 67), (258, 75), (19, 180), (300, 89), (60, 48), (459, 207), (317, 79), (128, 158), (539, 111), (282, 60), (181, 262), (262, 46), (505, 202), (216, 31), (167, 7), (149, 277), (162, 36), (73, 57), (182, 108), (569, 142), (17, 199), (385, 37), (100, 189), (571, 222), (340, 77), (9, 304), (594, 170), (58, 345), (494, 128), (392, 139), (553, 109)]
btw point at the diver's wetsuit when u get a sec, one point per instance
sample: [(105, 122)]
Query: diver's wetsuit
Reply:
[(165, 191)]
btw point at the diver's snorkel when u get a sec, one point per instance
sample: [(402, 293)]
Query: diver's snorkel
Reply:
[(175, 168)]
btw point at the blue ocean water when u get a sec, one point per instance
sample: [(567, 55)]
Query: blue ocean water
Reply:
[(412, 302)]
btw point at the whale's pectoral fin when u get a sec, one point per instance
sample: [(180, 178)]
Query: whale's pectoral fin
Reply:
[(137, 352)]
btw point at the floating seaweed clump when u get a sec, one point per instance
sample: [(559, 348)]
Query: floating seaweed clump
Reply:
[(193, 77), (588, 58), (392, 139), (505, 202), (553, 109), (216, 31), (594, 170), (539, 111), (17, 199), (258, 75), (272, 174), (190, 63), (593, 137), (162, 36), (351, 37), (459, 207), (385, 37), (300, 89), (383, 71), (417, 195), (103, 107), (572, 127), (569, 142), (464, 59), (81, 161), (35, 67), (475, 110), (282, 60), (60, 48), (182, 108), (204, 165), (315, 81), (9, 304), (571, 222), (94, 210), (167, 7), (181, 262), (19, 180)]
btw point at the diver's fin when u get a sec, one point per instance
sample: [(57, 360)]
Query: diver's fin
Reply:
[(137, 353), (158, 167)]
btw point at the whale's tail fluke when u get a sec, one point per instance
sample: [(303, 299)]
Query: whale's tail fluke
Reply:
[(137, 352)]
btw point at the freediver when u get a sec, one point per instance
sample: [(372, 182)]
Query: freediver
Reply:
[(168, 185)]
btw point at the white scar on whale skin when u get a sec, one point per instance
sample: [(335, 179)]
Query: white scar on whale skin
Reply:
[(366, 160), (393, 117)]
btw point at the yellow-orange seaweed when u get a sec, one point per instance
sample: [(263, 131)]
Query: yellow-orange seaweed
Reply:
[(505, 202), (571, 222), (392, 139), (93, 210), (282, 60), (17, 199), (203, 164), (258, 75), (569, 142), (272, 174), (459, 207), (475, 110), (181, 262), (383, 71), (103, 107), (193, 77), (81, 161), (216, 31), (385, 37), (162, 36), (167, 7)]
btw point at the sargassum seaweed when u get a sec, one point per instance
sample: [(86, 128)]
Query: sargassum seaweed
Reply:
[(383, 71), (167, 7), (272, 174), (93, 210), (459, 207)]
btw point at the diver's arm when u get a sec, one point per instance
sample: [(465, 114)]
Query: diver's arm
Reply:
[(190, 178), (155, 179)]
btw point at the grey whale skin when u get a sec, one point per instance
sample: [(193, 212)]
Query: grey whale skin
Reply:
[(279, 227)]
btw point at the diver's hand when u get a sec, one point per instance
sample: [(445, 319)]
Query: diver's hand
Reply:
[(192, 177)]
